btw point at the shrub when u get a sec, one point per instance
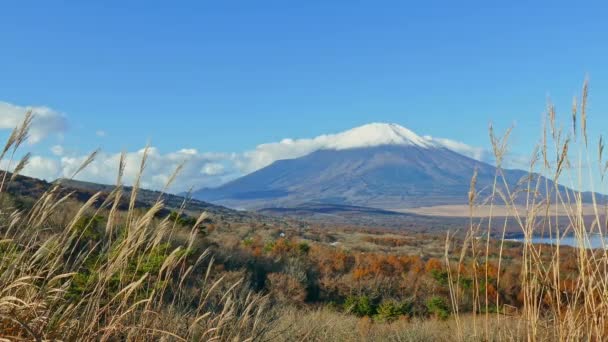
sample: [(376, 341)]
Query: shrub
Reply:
[(390, 310), (303, 247), (440, 276), (359, 305), (438, 307), (89, 227), (269, 247), (286, 288), (182, 219)]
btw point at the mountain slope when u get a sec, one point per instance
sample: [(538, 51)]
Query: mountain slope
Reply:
[(149, 197), (24, 191), (387, 176), (378, 165)]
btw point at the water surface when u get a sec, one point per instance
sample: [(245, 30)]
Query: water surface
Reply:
[(594, 241)]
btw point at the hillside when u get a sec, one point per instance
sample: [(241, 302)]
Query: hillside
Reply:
[(389, 167), (148, 197), (24, 191)]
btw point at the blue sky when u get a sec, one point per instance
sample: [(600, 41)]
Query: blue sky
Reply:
[(226, 76)]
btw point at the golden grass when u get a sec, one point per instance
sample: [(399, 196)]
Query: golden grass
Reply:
[(59, 283), (571, 307), (327, 325)]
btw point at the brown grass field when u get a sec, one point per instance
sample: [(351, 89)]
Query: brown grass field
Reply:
[(486, 210)]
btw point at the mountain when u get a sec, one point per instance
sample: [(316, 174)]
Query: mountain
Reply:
[(147, 198), (377, 165), (24, 191)]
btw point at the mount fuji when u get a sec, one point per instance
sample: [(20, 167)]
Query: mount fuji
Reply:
[(377, 165)]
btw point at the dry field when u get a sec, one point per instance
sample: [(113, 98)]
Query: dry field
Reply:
[(486, 210)]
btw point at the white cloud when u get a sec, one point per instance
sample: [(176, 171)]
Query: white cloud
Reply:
[(213, 169), (57, 150), (100, 133), (43, 168), (205, 169), (46, 120), (364, 136), (266, 154), (200, 169), (189, 151), (373, 134), (477, 153)]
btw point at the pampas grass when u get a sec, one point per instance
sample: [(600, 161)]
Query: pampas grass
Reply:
[(126, 281), (102, 274), (556, 306)]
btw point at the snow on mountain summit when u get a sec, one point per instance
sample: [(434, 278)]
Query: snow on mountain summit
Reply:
[(369, 135), (375, 134)]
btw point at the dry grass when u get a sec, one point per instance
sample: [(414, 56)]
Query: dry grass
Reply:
[(487, 210), (129, 282), (570, 307), (328, 325), (407, 243)]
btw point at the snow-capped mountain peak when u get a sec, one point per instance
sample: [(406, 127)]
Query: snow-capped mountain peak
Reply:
[(375, 134)]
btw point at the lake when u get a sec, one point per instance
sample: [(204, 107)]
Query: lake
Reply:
[(595, 241)]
